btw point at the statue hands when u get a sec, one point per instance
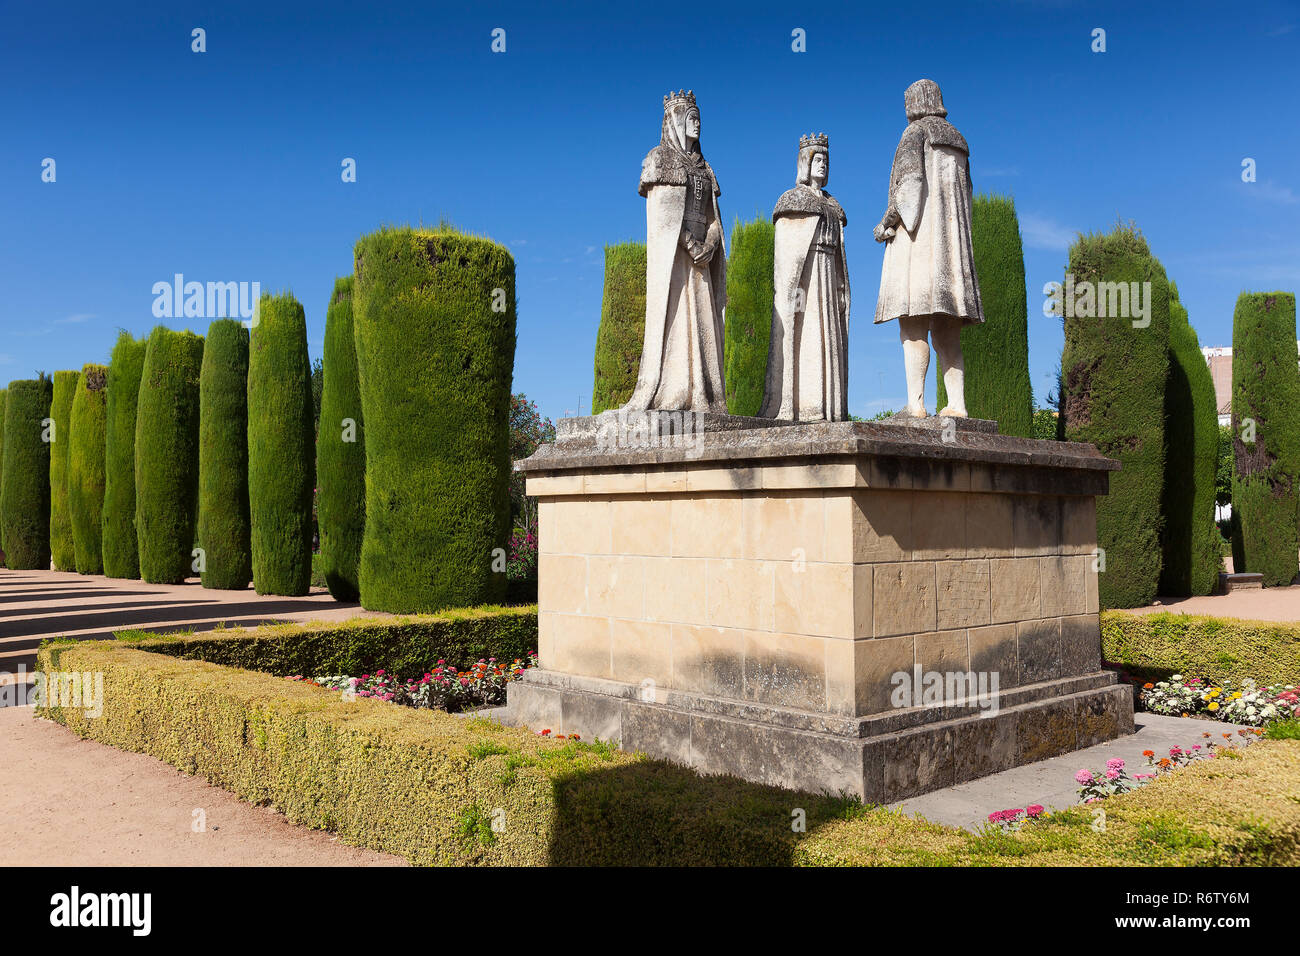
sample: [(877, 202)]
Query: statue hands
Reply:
[(883, 232)]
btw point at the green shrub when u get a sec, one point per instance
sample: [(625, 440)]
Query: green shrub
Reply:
[(407, 646), (749, 314), (1192, 554), (435, 360), (120, 543), (622, 327), (1114, 379), (341, 453), (86, 467), (167, 455), (433, 786), (996, 353), (281, 465), (26, 484), (1156, 646), (62, 548), (224, 524), (420, 784), (4, 393), (1265, 400)]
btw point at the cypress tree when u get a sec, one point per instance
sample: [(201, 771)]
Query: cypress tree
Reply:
[(1190, 540), (224, 529), (26, 483), (434, 316), (622, 327), (4, 393), (86, 468), (749, 314), (167, 455), (120, 544), (281, 465), (341, 452), (1266, 436), (1114, 381), (996, 352), (61, 545)]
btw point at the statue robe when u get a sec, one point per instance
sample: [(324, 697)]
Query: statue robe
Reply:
[(929, 265), (807, 357), (682, 354)]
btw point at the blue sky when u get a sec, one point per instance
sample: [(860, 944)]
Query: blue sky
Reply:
[(225, 165)]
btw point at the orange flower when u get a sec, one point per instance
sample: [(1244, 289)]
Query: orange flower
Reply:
[(1148, 753), (1148, 685)]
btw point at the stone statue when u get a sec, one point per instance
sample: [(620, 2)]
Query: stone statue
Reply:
[(807, 357), (928, 282), (686, 265)]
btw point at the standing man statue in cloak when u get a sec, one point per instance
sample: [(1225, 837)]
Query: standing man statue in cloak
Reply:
[(807, 357), (928, 282), (686, 263)]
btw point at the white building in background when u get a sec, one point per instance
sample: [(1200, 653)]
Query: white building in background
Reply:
[(1219, 358)]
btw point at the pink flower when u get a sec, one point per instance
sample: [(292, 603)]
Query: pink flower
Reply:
[(1114, 763), (1112, 774), (1034, 810), (1084, 776)]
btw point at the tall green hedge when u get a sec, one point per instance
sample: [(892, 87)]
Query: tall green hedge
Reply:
[(86, 468), (1114, 379), (4, 394), (26, 484), (281, 460), (1192, 556), (1265, 395), (434, 315), (341, 452), (749, 313), (120, 544), (622, 327), (62, 548), (996, 352), (167, 455), (224, 529)]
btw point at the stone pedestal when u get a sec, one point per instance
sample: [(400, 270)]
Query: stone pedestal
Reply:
[(775, 600)]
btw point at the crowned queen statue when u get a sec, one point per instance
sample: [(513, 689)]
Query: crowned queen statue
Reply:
[(807, 358), (686, 282)]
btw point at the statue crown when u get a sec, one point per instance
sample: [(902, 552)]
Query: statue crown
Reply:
[(814, 140), (679, 98)]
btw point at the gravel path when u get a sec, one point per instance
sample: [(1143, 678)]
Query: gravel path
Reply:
[(65, 801)]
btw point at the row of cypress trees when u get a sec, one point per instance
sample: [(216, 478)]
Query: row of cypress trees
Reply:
[(212, 441), (1143, 394), (996, 353), (102, 469)]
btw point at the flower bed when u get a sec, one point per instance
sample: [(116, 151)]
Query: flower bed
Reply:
[(1229, 701), (442, 688)]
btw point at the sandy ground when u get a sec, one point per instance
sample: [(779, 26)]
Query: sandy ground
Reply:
[(65, 801), (1257, 604), (38, 604)]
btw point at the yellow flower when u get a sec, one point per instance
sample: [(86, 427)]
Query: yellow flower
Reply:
[(1237, 696), (1213, 707)]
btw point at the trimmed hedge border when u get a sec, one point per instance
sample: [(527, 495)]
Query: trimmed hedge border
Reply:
[(407, 647), (425, 785), (431, 786), (1216, 648)]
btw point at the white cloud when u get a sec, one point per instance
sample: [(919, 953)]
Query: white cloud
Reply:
[(75, 318), (1042, 232)]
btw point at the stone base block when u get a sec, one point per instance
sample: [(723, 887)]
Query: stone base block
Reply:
[(881, 759)]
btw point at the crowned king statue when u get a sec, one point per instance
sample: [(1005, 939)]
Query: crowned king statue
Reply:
[(928, 282), (681, 358), (807, 358)]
